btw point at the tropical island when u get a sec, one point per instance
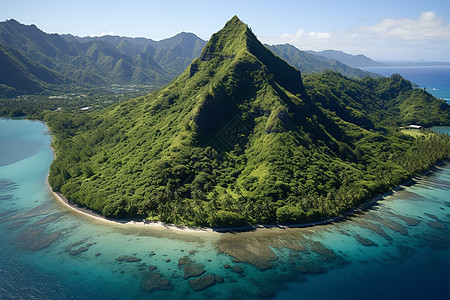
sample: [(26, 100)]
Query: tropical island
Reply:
[(241, 138)]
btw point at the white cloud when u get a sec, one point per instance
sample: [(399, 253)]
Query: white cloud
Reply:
[(427, 37), (102, 34), (428, 26), (303, 40), (301, 34)]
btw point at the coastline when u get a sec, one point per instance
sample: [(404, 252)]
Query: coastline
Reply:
[(91, 214), (182, 228), (402, 246)]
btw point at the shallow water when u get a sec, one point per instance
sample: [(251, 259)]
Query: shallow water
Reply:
[(399, 249)]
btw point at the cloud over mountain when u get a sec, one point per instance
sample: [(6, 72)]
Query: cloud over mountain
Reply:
[(111, 33), (390, 35)]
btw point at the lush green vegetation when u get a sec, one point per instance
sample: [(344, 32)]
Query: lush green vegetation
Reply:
[(413, 133), (239, 139), (20, 75), (389, 101)]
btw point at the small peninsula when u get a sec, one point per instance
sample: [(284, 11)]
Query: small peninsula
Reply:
[(241, 138)]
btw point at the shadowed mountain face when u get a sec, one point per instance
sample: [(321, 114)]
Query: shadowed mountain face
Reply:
[(246, 74), (239, 138), (20, 75)]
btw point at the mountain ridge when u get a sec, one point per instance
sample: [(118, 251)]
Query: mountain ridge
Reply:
[(103, 60), (311, 63), (355, 61), (97, 60), (21, 75)]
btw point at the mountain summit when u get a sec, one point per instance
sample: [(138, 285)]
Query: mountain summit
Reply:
[(236, 139), (241, 80), (236, 40)]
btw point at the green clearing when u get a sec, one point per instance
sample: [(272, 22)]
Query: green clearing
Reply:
[(413, 132)]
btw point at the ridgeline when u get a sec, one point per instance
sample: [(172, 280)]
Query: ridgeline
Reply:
[(239, 138), (34, 61)]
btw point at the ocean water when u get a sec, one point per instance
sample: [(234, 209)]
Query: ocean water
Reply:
[(436, 79), (398, 249)]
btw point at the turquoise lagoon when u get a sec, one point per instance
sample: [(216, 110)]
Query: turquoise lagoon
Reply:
[(398, 249)]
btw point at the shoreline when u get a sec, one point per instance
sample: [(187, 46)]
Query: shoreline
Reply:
[(91, 214), (182, 228)]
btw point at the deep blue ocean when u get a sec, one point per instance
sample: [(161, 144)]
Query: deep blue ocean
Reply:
[(398, 249)]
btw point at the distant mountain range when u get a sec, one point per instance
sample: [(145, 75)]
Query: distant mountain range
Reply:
[(90, 60), (20, 75), (308, 62), (362, 61), (33, 61), (415, 63), (354, 61)]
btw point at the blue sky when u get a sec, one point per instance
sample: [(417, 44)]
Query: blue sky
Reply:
[(383, 30)]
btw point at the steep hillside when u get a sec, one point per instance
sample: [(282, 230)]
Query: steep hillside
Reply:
[(238, 139), (48, 50), (389, 101), (19, 75)]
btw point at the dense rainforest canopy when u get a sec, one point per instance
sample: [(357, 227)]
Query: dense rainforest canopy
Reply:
[(240, 138)]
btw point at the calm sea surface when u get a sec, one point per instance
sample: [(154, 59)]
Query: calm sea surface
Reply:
[(399, 249), (436, 79)]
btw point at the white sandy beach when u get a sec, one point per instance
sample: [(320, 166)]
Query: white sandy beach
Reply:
[(90, 214)]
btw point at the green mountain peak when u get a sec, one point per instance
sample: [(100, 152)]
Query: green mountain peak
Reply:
[(240, 79), (238, 138), (237, 40), (236, 95), (227, 42)]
